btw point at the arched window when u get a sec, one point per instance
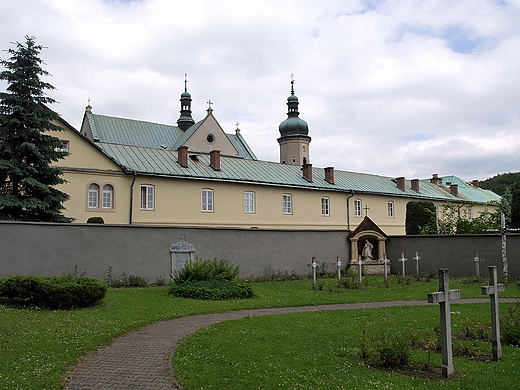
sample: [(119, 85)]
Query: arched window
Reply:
[(93, 196), (107, 197)]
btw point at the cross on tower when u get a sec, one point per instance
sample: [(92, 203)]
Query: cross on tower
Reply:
[(443, 298), (492, 290)]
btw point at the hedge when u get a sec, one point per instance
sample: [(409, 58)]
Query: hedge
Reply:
[(215, 289), (55, 292)]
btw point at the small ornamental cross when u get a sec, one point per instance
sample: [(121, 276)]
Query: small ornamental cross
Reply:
[(492, 290), (403, 260), (443, 297), (417, 258)]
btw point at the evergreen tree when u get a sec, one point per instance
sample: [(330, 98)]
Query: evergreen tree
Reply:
[(515, 209), (27, 178), (421, 218)]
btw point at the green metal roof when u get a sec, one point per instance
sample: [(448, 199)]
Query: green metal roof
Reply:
[(158, 162), (122, 131)]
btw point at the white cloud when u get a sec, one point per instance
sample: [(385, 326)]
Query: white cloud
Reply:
[(387, 87)]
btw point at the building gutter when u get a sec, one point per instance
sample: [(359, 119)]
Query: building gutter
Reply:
[(132, 198), (348, 210)]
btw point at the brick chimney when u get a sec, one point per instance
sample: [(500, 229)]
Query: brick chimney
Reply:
[(214, 159), (400, 183), (436, 180), (307, 171), (475, 183), (329, 174), (454, 188), (415, 184), (182, 156)]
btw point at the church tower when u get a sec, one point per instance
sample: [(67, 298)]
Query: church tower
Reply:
[(185, 121), (294, 139)]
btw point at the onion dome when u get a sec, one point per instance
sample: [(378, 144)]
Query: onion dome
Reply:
[(293, 125)]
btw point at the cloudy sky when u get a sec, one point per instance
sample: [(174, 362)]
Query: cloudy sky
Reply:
[(390, 87)]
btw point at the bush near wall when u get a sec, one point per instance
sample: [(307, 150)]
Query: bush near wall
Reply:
[(55, 292)]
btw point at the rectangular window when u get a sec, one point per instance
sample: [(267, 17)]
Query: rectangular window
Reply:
[(147, 197), (391, 210), (93, 194), (325, 206), (249, 202), (470, 213), (207, 200), (287, 203), (357, 208)]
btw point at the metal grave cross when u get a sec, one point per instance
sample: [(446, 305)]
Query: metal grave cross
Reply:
[(314, 265), (443, 297), (360, 270), (492, 290), (403, 260), (338, 264), (385, 263), (477, 261), (417, 258)]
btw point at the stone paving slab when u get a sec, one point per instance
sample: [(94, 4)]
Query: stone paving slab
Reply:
[(141, 359)]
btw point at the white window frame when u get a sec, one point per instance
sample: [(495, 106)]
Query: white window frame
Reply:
[(325, 206), (147, 197), (249, 202), (357, 208), (470, 212), (287, 204), (64, 148), (207, 198), (391, 209), (107, 196), (93, 196)]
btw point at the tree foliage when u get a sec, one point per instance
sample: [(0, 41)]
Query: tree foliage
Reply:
[(420, 218), (27, 178), (515, 209)]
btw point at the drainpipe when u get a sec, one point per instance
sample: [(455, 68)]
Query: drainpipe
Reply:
[(132, 197), (348, 210)]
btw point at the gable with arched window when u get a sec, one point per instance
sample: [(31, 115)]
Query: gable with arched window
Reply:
[(100, 197)]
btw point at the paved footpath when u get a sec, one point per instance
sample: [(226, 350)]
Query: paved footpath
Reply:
[(141, 359)]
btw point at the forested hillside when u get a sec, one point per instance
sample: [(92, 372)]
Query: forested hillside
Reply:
[(501, 182)]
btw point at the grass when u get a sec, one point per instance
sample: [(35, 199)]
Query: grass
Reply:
[(321, 350), (37, 347)]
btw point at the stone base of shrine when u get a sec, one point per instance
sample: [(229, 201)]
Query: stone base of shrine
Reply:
[(372, 267)]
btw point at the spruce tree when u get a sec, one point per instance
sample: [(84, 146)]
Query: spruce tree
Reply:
[(27, 178)]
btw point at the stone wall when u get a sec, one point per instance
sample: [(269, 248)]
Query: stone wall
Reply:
[(52, 249)]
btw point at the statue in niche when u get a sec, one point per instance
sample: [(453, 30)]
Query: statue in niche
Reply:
[(367, 250)]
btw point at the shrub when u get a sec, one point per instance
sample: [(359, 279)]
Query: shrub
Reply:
[(215, 289), (387, 350), (95, 220), (56, 292), (205, 270), (510, 326)]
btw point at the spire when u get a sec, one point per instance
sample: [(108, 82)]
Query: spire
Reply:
[(185, 121), (293, 125)]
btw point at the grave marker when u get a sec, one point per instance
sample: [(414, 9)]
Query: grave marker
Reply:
[(443, 297), (492, 290), (403, 260), (314, 265), (417, 258), (477, 261), (385, 263), (338, 264), (360, 270)]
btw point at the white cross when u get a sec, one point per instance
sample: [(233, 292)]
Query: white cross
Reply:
[(492, 290), (403, 260), (417, 258), (443, 298), (386, 262)]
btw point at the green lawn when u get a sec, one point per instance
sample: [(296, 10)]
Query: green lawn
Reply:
[(37, 347)]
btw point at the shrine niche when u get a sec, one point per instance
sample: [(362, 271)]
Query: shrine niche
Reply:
[(368, 243)]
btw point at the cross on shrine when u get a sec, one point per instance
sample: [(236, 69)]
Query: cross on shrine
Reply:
[(417, 258), (492, 290), (443, 297), (403, 260), (210, 103), (366, 208)]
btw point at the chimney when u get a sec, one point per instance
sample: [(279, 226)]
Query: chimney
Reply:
[(454, 188), (307, 171), (415, 184), (475, 183), (435, 179), (214, 159), (182, 156), (329, 174), (400, 183)]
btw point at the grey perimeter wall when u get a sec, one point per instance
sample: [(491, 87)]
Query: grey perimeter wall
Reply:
[(53, 249)]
